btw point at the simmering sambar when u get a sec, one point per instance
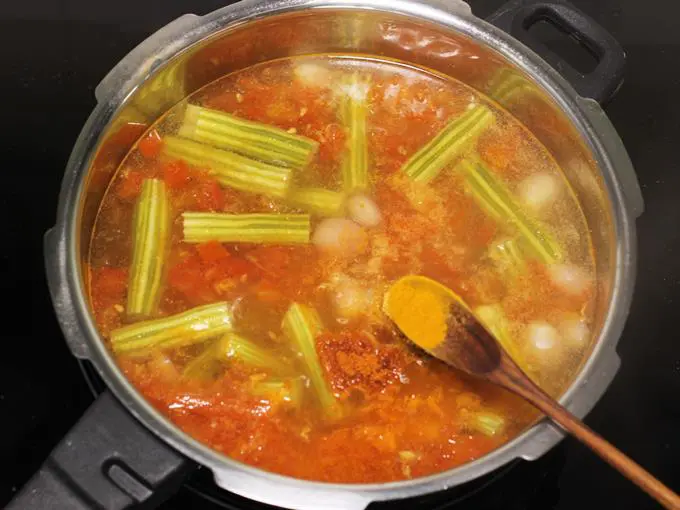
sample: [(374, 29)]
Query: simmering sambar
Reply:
[(240, 256)]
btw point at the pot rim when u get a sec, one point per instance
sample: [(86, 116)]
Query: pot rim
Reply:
[(79, 327)]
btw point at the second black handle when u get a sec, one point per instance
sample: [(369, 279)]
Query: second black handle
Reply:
[(108, 461), (516, 18)]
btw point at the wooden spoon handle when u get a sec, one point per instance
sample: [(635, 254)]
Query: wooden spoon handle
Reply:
[(525, 388)]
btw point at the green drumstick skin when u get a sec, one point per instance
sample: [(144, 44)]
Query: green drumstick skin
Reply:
[(252, 139), (247, 228), (231, 169), (187, 328), (449, 144), (151, 237)]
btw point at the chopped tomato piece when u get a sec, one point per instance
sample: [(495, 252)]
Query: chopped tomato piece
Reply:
[(130, 184), (267, 292), (235, 267), (184, 271), (111, 280), (272, 260), (209, 196), (212, 252), (187, 278), (151, 145), (332, 142), (258, 98), (290, 267), (391, 145), (486, 231), (176, 174)]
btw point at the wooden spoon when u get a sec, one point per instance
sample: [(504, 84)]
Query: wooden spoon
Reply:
[(464, 343)]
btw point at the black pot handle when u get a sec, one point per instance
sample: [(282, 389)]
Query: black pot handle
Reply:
[(516, 16), (107, 461)]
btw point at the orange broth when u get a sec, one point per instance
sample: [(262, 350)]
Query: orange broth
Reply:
[(404, 415)]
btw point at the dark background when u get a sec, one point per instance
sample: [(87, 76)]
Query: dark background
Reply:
[(52, 55)]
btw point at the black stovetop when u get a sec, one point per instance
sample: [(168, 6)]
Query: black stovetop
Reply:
[(52, 55)]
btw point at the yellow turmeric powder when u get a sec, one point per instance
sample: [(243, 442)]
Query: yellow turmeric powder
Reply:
[(420, 307)]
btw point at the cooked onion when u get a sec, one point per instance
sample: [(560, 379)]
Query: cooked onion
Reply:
[(163, 367), (542, 336), (364, 211), (539, 190), (349, 297), (570, 279), (340, 237), (575, 331)]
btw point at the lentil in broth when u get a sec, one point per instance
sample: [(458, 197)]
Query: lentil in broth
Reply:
[(347, 204)]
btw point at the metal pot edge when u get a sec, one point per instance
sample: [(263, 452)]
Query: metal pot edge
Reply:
[(63, 275)]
